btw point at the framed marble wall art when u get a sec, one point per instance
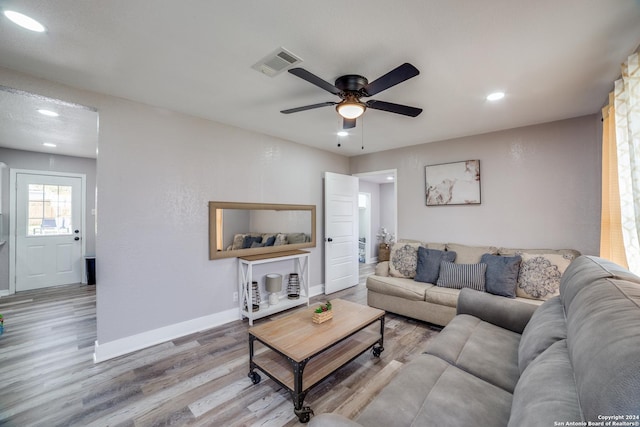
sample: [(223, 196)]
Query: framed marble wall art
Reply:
[(455, 183)]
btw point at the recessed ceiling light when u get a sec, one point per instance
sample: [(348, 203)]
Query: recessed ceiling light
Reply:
[(49, 144), (343, 133), (495, 96), (24, 21), (48, 113)]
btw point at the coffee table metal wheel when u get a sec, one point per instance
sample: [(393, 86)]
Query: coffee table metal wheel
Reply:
[(304, 413), (377, 350), (255, 377)]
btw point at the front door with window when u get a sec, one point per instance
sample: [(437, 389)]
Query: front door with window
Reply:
[(48, 230)]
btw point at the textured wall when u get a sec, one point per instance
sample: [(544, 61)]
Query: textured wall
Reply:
[(156, 172), (540, 187)]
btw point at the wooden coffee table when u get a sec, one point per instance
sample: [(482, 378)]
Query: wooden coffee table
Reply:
[(299, 353)]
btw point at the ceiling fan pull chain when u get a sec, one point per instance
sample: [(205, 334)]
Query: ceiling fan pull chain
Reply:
[(362, 134)]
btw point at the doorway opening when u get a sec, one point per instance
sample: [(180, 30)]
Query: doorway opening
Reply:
[(381, 186)]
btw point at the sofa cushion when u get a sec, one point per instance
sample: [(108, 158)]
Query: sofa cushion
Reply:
[(442, 296), (458, 276), (587, 269), (430, 245), (547, 325), (399, 287), (569, 254), (540, 274), (428, 268), (430, 392), (502, 274), (470, 254), (546, 393), (382, 269), (403, 260), (480, 348), (603, 339)]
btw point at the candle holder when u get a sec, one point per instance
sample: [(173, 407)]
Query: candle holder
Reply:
[(293, 288), (255, 297), (273, 285)]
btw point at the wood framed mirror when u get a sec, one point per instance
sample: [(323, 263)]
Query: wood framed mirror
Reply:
[(241, 229)]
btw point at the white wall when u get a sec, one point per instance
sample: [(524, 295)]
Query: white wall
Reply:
[(18, 159), (157, 170), (540, 187)]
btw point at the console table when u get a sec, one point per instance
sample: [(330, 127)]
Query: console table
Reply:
[(300, 261)]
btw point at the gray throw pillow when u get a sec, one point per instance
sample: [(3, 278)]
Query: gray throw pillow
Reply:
[(428, 268), (502, 274), (458, 276)]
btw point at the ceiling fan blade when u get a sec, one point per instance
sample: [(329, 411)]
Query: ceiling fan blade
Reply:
[(315, 80), (392, 78), (405, 110), (308, 107), (348, 123)]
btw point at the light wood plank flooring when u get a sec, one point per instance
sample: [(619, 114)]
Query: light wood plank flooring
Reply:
[(48, 378)]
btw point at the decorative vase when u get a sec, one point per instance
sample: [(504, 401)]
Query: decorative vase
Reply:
[(293, 288), (255, 297), (273, 285)]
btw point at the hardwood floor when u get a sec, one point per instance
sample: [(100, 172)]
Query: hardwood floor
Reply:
[(48, 378)]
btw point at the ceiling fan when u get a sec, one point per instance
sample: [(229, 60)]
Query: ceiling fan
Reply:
[(351, 87)]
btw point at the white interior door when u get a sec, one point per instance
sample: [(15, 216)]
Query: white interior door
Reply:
[(341, 232), (48, 230)]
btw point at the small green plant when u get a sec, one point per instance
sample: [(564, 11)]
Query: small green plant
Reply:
[(323, 307)]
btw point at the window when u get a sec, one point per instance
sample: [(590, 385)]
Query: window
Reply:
[(49, 210)]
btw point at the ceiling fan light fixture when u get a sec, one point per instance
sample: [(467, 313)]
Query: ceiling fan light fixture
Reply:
[(350, 109)]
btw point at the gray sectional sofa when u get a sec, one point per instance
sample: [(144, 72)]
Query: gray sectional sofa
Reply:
[(574, 360), (395, 288)]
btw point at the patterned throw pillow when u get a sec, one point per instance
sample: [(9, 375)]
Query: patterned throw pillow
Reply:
[(458, 276), (404, 260), (540, 274)]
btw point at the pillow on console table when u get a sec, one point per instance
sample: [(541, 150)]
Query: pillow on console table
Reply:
[(458, 276), (502, 274), (540, 275), (403, 260), (428, 267)]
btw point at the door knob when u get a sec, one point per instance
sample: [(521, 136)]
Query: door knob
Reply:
[(76, 238), (76, 231), (329, 239)]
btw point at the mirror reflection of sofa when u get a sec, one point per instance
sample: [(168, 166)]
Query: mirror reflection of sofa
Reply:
[(259, 240)]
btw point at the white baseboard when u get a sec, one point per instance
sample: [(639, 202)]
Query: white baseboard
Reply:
[(316, 290), (126, 345), (4, 292)]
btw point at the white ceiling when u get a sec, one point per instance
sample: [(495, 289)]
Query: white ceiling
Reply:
[(554, 59)]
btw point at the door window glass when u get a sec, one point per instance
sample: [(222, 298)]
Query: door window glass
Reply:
[(49, 210)]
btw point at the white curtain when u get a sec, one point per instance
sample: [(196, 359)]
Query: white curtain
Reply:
[(627, 121)]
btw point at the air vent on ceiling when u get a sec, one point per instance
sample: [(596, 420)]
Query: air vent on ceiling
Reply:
[(276, 62)]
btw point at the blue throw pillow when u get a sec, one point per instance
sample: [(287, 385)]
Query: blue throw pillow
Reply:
[(502, 274), (428, 268), (250, 240), (270, 241)]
